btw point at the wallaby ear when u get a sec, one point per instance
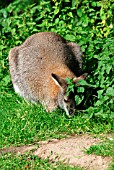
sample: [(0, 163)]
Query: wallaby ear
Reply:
[(83, 76), (58, 80)]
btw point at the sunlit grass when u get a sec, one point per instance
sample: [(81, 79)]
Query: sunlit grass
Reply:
[(22, 123), (18, 162)]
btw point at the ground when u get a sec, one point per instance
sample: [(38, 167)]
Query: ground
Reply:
[(70, 150)]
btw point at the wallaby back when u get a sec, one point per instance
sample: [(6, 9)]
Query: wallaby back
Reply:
[(41, 64)]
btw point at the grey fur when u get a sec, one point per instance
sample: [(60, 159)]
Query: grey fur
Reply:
[(33, 63)]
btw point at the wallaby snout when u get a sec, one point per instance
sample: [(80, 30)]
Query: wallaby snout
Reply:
[(39, 68)]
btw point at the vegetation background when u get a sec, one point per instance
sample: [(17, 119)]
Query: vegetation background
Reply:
[(90, 23)]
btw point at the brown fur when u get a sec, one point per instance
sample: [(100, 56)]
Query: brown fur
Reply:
[(33, 62)]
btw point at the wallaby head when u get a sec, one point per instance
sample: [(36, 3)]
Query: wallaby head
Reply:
[(66, 102)]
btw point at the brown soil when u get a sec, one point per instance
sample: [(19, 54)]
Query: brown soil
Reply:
[(69, 150)]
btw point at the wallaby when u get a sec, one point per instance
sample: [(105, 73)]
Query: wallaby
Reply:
[(39, 68)]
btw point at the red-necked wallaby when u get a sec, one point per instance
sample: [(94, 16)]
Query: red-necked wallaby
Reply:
[(39, 68)]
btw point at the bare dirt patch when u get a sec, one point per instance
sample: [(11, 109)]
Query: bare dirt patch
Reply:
[(69, 150), (18, 149)]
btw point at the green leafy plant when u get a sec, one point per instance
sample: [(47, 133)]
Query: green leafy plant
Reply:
[(78, 88), (88, 22)]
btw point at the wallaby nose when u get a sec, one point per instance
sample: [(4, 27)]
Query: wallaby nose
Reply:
[(71, 112)]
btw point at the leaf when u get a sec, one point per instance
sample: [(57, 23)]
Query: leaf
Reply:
[(71, 87), (56, 11), (57, 20), (69, 81), (93, 4), (6, 80), (80, 89), (67, 0), (85, 21), (105, 98), (112, 115), (110, 91), (84, 83), (98, 103), (90, 112), (78, 99), (79, 12), (100, 92), (70, 14), (108, 68), (70, 37), (74, 3)]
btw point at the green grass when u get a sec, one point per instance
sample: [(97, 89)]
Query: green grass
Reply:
[(105, 148), (23, 123), (25, 162)]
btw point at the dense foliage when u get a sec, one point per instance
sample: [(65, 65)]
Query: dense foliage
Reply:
[(87, 22)]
